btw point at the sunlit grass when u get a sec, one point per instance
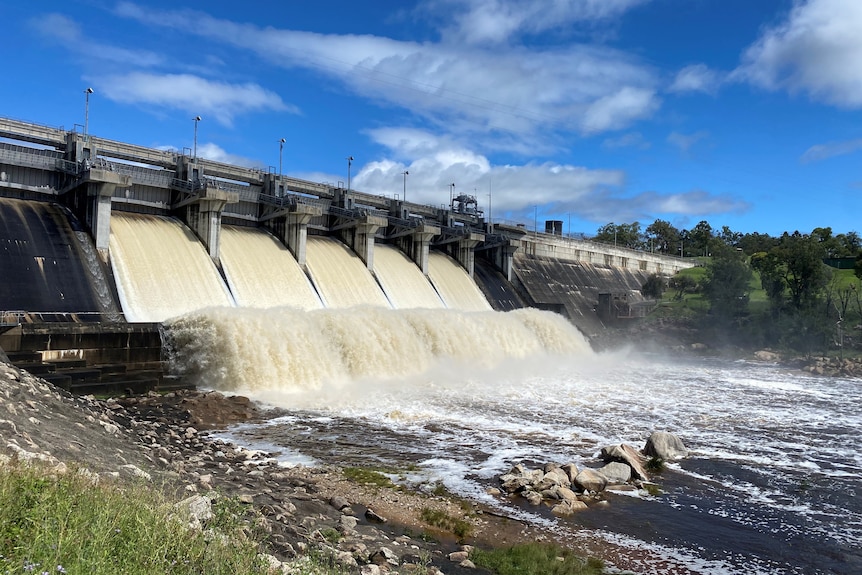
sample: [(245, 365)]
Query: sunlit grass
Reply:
[(66, 524), (536, 559)]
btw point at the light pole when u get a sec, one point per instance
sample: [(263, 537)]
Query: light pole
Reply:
[(536, 219), (451, 194), (349, 163), (405, 173), (195, 149), (569, 224), (280, 155), (87, 93), (490, 219)]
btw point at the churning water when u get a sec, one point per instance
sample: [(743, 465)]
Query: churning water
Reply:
[(771, 485)]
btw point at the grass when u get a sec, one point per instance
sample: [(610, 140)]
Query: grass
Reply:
[(536, 559), (442, 520), (65, 524), (368, 477)]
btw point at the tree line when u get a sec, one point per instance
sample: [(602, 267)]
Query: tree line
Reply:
[(808, 306)]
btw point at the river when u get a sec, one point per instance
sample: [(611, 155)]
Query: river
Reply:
[(771, 484)]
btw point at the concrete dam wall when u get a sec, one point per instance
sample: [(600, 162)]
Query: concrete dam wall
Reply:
[(49, 264)]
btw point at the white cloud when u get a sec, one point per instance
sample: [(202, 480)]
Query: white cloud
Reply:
[(686, 141), (192, 94), (513, 90), (65, 31), (630, 140), (696, 78), (216, 153), (497, 21), (816, 49), (829, 150)]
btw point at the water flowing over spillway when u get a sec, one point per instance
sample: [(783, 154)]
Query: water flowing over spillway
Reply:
[(340, 276), (261, 271), (454, 285), (402, 280), (289, 351), (161, 269)]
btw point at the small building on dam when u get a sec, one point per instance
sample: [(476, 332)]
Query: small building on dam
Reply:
[(101, 241)]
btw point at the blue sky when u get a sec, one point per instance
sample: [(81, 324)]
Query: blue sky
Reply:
[(741, 113)]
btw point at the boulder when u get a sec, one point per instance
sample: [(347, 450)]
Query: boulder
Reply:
[(616, 472), (626, 454), (591, 480), (554, 478), (666, 446), (571, 471), (567, 507)]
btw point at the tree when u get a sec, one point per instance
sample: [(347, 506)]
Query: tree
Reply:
[(804, 271), (622, 235), (653, 287), (662, 236), (727, 283), (701, 239), (682, 284)]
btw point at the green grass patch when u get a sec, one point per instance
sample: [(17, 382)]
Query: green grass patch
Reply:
[(536, 559), (66, 524), (368, 477), (442, 520)]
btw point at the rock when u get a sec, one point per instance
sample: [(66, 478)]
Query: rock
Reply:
[(339, 502), (767, 355), (370, 569), (196, 510), (373, 517), (467, 564), (246, 498), (533, 498), (666, 446), (135, 471), (567, 494), (616, 472), (384, 556), (458, 556), (566, 507), (591, 480), (571, 471), (554, 478), (628, 455)]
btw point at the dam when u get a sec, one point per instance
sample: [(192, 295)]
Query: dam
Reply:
[(102, 242)]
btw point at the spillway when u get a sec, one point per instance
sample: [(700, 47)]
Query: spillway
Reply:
[(340, 276), (47, 262), (403, 282), (454, 285), (261, 271), (290, 350), (161, 269)]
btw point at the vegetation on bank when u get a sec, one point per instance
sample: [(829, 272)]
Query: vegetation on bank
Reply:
[(66, 523), (536, 558), (799, 293)]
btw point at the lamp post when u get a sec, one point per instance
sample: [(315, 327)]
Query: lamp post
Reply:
[(349, 163), (280, 155), (536, 219), (451, 194), (195, 149), (405, 173), (87, 93)]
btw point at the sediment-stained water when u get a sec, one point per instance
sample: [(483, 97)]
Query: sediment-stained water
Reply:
[(771, 485)]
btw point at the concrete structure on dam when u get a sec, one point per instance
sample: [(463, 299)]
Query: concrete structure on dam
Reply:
[(74, 177)]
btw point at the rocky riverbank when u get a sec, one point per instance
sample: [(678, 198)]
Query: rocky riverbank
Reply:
[(364, 528)]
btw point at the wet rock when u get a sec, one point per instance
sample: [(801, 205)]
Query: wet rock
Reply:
[(458, 556), (568, 507), (591, 480), (626, 454), (373, 517), (616, 472), (666, 446), (339, 502)]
